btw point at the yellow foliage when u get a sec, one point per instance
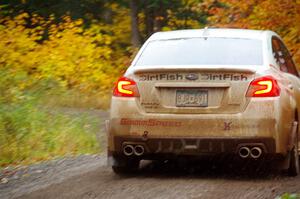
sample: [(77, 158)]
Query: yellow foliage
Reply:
[(78, 58)]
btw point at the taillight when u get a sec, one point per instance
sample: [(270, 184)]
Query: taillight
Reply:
[(126, 87), (265, 86)]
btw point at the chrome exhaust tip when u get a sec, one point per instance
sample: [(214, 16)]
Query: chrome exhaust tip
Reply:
[(244, 152), (256, 152), (128, 150), (139, 150)]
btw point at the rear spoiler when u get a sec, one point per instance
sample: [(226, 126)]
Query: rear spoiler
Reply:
[(140, 70)]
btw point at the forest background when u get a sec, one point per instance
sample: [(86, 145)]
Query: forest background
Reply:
[(59, 54)]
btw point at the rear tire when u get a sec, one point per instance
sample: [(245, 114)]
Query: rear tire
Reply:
[(124, 165)]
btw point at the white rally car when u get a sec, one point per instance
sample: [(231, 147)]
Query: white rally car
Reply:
[(207, 92)]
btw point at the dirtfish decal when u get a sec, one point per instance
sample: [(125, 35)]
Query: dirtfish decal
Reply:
[(203, 77)]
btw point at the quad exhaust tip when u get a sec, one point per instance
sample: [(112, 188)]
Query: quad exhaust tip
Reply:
[(256, 152), (245, 152), (128, 150), (137, 150)]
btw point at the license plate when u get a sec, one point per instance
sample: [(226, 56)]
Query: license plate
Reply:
[(192, 98)]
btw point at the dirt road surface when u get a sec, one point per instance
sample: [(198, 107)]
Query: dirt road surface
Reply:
[(88, 177)]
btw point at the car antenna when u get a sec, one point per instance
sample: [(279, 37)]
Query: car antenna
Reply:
[(205, 33)]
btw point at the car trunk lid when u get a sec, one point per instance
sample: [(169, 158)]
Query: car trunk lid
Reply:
[(193, 89)]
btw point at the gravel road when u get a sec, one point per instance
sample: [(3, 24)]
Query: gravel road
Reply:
[(87, 176)]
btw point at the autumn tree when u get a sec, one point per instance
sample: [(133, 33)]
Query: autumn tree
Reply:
[(281, 16), (149, 16)]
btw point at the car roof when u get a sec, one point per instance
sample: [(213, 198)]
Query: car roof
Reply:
[(212, 32)]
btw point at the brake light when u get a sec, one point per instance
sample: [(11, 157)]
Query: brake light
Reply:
[(265, 86), (126, 87)]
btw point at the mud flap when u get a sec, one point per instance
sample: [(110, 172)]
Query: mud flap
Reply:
[(110, 160), (293, 135)]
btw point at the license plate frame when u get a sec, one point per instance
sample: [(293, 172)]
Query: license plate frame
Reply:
[(191, 98)]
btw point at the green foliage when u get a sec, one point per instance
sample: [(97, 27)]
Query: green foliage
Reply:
[(30, 131), (288, 196), (45, 65), (29, 134), (186, 14), (79, 9)]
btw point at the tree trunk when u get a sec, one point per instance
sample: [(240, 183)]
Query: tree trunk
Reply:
[(135, 33), (160, 16), (149, 20)]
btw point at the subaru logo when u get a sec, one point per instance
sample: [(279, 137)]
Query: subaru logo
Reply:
[(192, 76)]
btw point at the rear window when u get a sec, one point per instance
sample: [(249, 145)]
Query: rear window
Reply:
[(202, 51)]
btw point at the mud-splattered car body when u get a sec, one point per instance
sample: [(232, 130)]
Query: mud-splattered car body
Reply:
[(206, 92)]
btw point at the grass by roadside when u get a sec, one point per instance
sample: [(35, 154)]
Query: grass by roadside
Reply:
[(29, 134), (75, 99), (30, 128)]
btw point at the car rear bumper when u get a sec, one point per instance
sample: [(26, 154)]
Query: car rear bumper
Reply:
[(193, 146), (258, 124)]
